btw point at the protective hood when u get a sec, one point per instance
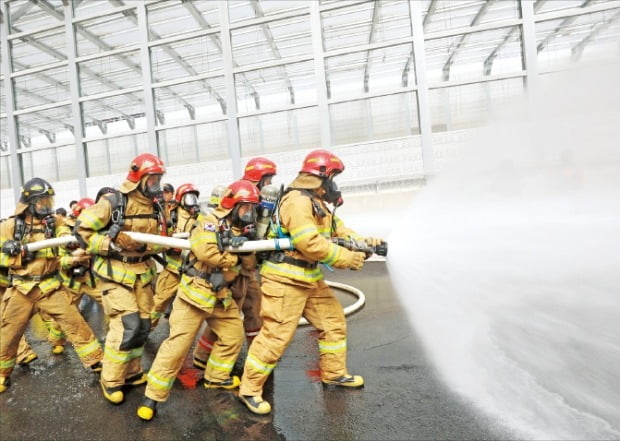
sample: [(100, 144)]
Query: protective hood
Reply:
[(306, 181), (20, 208), (127, 186)]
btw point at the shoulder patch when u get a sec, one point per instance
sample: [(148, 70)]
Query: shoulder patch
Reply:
[(208, 226)]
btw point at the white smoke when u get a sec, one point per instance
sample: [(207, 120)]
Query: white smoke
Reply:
[(508, 262)]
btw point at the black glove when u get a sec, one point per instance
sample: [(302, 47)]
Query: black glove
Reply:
[(50, 226), (12, 247), (237, 241)]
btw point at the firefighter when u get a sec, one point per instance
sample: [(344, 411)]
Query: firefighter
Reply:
[(35, 282), (182, 219), (75, 264), (75, 276), (215, 197), (204, 294), (168, 201), (246, 290), (25, 354), (293, 285), (124, 269)]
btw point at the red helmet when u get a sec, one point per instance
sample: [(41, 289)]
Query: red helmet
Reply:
[(240, 191), (185, 188), (322, 163), (81, 205), (145, 164), (256, 168)]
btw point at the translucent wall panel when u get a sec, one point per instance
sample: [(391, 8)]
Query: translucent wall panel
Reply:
[(113, 155), (451, 14), (38, 49), (276, 87), (178, 146), (193, 144), (460, 107), (27, 15), (388, 116), (39, 88), (563, 41), (281, 131), (115, 114), (45, 127), (373, 71), (41, 164), (353, 25), (53, 164), (110, 73), (245, 10), (212, 141), (188, 101), (272, 41), (173, 17), (462, 57), (5, 172), (186, 58), (107, 32)]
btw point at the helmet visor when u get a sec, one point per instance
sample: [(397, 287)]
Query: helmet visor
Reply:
[(43, 206), (190, 200)]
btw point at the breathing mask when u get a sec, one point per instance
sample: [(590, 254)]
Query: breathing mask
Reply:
[(332, 194), (190, 203), (151, 186), (42, 207), (244, 218)]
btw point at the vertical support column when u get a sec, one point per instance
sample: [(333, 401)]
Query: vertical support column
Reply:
[(234, 141), (17, 177), (419, 63), (530, 54), (147, 78), (74, 89), (319, 69)]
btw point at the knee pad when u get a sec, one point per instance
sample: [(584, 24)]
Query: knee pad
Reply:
[(145, 328), (131, 332)]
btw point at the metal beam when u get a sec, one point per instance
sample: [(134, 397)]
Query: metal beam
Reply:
[(429, 13), (322, 83), (17, 177), (205, 25), (564, 23), (171, 52), (371, 36), (448, 64), (424, 112), (258, 11), (232, 121), (577, 50)]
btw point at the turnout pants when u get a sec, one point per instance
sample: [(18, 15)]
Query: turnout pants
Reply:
[(185, 321), (18, 308), (282, 306), (246, 292), (128, 311), (165, 289)]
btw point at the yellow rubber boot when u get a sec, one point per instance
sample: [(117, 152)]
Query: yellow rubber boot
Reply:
[(5, 382), (147, 410), (58, 350), (114, 395), (346, 381), (256, 404), (231, 383)]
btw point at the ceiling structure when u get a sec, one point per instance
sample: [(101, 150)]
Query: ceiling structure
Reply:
[(366, 48)]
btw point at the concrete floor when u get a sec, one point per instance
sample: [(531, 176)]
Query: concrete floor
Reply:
[(55, 398)]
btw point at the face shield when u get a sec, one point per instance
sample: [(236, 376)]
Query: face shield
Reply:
[(42, 207), (265, 180), (190, 203), (151, 186)]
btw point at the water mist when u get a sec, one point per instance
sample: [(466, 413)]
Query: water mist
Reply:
[(508, 262)]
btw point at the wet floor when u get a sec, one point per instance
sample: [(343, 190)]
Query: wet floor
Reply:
[(55, 398)]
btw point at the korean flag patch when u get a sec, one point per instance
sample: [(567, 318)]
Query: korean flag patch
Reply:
[(209, 227)]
